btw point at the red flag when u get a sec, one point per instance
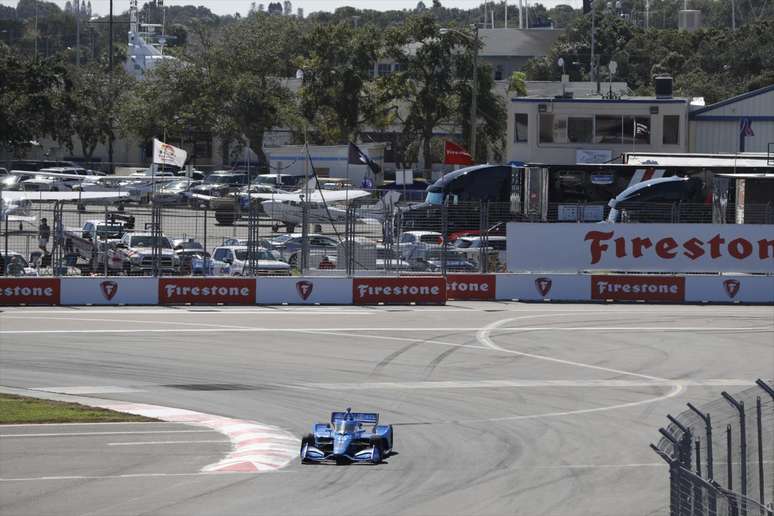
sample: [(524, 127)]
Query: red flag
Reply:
[(453, 154)]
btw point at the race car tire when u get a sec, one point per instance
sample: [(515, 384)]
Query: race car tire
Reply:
[(379, 445), (307, 440)]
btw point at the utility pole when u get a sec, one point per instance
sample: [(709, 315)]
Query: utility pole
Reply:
[(110, 72), (474, 96), (77, 38), (592, 72)]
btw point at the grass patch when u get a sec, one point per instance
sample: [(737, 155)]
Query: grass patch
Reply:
[(21, 409)]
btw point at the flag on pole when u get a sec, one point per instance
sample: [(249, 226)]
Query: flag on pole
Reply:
[(166, 154), (454, 154), (745, 130), (358, 157)]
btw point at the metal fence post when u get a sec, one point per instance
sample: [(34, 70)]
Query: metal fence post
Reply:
[(483, 255), (698, 499), (674, 478), (707, 418), (739, 406), (206, 252), (677, 498), (444, 234), (759, 416)]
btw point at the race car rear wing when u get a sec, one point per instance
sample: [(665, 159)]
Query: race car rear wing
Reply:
[(367, 418)]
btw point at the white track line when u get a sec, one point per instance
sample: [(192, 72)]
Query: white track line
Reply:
[(666, 329), (108, 477), (483, 336), (81, 434), (507, 384), (143, 443)]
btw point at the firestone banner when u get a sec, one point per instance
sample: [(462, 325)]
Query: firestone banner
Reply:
[(730, 248), (29, 291), (399, 290)]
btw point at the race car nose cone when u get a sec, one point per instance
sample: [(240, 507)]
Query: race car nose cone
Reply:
[(341, 444)]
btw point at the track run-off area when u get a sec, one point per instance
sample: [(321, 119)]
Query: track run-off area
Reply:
[(498, 408)]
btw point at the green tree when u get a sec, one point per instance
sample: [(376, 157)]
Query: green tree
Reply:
[(337, 97), (91, 103), (427, 78), (33, 99)]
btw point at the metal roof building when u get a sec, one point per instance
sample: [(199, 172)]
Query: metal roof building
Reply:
[(744, 123)]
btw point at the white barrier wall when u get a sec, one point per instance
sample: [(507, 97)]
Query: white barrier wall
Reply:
[(676, 248), (634, 287), (730, 289), (109, 291), (539, 287), (304, 291)]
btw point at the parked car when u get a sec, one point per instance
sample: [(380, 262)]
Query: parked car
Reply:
[(175, 192), (238, 260), (136, 251), (472, 246), (414, 244), (290, 245), (17, 265), (432, 261), (220, 183)]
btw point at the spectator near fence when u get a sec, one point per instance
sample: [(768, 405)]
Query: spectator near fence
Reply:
[(44, 234)]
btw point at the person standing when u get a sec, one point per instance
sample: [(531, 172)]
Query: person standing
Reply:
[(44, 234)]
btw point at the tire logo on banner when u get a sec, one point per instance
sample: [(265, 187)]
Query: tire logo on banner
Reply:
[(304, 289), (401, 290), (109, 289), (543, 285), (479, 287), (638, 288), (732, 287), (207, 291)]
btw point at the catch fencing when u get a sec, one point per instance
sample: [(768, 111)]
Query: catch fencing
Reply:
[(368, 237), (721, 456)]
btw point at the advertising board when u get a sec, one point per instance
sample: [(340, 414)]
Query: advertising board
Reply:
[(541, 287), (304, 291), (207, 291), (730, 289), (109, 291), (641, 247), (29, 291), (470, 287), (399, 290), (635, 287)]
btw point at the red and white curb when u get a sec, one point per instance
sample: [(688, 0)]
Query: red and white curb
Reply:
[(255, 447)]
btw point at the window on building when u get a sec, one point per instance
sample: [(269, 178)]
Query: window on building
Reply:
[(609, 129), (580, 129), (383, 69), (671, 130), (520, 127), (546, 128), (498, 75), (397, 67)]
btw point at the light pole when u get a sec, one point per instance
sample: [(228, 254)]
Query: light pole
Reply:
[(473, 87)]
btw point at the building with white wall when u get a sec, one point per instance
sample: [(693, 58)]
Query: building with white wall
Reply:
[(562, 130), (744, 123)]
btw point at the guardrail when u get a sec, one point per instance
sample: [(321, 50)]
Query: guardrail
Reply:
[(721, 456)]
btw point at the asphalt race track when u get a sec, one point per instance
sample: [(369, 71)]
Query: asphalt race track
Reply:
[(499, 408)]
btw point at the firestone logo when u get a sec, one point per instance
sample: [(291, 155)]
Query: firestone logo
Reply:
[(109, 289), (732, 287), (668, 248), (543, 286), (638, 288), (403, 290), (214, 290), (304, 289), (26, 292)]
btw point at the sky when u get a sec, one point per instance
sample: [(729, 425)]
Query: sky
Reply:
[(220, 7)]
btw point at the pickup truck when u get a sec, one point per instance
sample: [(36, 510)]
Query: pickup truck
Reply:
[(94, 243), (136, 253)]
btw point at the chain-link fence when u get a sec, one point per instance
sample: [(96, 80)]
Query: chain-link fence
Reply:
[(247, 236), (721, 456)]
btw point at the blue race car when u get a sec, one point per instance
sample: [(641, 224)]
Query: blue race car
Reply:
[(344, 440)]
